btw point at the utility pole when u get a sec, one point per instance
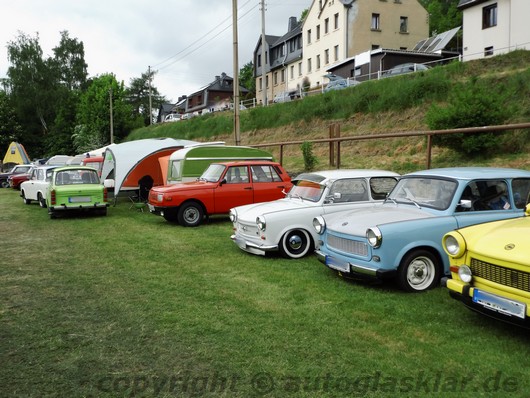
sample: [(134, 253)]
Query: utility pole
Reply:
[(263, 53), (236, 74), (150, 100), (111, 118)]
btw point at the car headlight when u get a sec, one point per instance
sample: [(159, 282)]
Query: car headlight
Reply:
[(260, 222), (374, 237), (160, 197), (454, 244), (319, 224), (465, 274), (233, 215)]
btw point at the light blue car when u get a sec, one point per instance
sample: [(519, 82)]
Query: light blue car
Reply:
[(401, 239)]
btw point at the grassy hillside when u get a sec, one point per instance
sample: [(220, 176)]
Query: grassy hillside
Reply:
[(378, 107)]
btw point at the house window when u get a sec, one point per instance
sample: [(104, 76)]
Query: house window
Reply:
[(326, 26), (376, 22), (318, 61), (309, 36), (326, 56), (299, 69), (318, 32), (309, 65), (488, 51), (489, 16), (336, 21), (292, 71), (336, 53), (375, 46), (267, 81), (275, 78), (259, 60), (403, 24), (282, 74), (260, 83), (357, 71)]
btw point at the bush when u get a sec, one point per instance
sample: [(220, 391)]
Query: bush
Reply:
[(310, 160), (470, 105)]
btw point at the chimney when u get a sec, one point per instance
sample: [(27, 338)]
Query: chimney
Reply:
[(292, 24)]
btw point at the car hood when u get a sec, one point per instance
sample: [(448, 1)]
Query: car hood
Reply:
[(185, 186), (250, 212), (506, 240), (356, 221)]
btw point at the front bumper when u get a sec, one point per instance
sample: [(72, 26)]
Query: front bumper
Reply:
[(350, 270), (251, 247), (463, 292)]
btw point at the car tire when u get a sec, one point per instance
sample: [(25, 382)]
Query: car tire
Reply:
[(295, 243), (5, 184), (190, 214), (52, 215), (26, 201), (42, 201), (419, 270), (171, 215)]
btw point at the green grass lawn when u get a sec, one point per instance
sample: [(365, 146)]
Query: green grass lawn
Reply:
[(130, 305)]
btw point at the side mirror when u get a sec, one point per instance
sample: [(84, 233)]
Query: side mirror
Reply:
[(109, 183), (465, 203), (223, 181)]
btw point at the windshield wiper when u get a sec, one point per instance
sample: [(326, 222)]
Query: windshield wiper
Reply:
[(413, 201)]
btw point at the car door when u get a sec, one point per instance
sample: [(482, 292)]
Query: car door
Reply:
[(30, 187), (235, 189), (267, 184)]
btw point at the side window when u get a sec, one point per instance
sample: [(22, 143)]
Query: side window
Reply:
[(265, 174), (486, 195), (381, 186), (237, 175), (521, 192), (349, 190)]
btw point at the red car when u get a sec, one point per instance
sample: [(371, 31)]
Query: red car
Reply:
[(221, 187), (14, 180)]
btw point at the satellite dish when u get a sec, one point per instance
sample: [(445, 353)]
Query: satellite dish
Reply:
[(347, 3)]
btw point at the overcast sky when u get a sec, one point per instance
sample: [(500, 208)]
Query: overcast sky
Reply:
[(188, 42)]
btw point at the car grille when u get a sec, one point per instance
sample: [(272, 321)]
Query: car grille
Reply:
[(503, 276), (347, 245), (248, 229)]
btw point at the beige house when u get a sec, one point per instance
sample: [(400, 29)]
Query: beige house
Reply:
[(493, 27), (335, 30)]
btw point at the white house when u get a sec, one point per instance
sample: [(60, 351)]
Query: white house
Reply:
[(493, 27)]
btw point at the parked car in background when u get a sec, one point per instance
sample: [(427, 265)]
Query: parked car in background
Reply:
[(76, 188), (36, 187), (221, 187), (172, 117), (59, 160), (284, 96), (339, 83), (14, 180), (490, 268), (285, 225), (95, 162), (18, 169), (404, 68), (401, 239)]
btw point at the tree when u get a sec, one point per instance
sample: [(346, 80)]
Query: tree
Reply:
[(93, 114), (246, 78), (443, 15), (138, 97), (10, 130)]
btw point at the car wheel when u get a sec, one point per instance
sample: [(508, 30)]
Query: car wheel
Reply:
[(190, 214), (5, 184), (419, 270), (52, 215), (42, 201), (295, 243), (26, 201)]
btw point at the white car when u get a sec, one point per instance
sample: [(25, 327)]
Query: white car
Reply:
[(36, 187), (286, 225)]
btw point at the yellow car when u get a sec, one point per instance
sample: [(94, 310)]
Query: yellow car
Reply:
[(490, 268)]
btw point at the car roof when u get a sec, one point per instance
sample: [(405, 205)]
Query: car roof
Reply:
[(468, 173), (247, 162), (63, 168), (319, 176)]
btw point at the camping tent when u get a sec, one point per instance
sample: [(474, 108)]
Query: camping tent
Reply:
[(16, 154), (129, 162)]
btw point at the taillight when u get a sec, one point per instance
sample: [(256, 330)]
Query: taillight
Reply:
[(53, 200), (105, 195)]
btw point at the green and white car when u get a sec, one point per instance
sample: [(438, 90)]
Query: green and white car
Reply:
[(76, 188)]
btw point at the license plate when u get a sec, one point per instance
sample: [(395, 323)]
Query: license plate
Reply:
[(80, 199), (499, 304)]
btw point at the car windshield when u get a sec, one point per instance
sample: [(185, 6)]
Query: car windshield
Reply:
[(213, 173), (80, 176), (421, 191), (306, 190)]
